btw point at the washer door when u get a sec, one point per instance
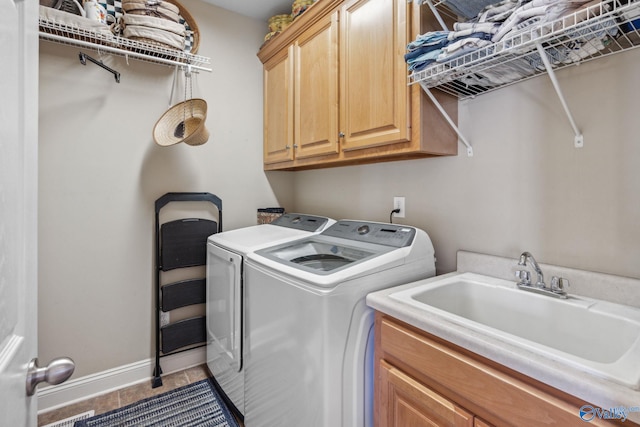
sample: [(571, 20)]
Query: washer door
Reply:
[(224, 306)]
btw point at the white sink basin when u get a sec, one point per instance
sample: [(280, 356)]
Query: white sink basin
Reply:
[(597, 336)]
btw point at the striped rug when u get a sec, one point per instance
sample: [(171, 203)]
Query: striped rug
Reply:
[(196, 404)]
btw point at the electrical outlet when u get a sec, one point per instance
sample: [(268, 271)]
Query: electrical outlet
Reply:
[(398, 203)]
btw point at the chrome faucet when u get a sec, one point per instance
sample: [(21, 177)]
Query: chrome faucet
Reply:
[(558, 284), (536, 267)]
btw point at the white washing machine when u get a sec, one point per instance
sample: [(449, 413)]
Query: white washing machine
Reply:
[(309, 333), (225, 257)]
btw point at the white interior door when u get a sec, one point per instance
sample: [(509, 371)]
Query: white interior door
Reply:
[(18, 207)]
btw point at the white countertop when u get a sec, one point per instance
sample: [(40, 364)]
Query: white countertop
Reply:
[(594, 390)]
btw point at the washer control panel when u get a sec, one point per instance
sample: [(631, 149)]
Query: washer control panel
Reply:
[(301, 222), (372, 232)]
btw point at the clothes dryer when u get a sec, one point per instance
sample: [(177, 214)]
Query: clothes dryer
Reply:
[(225, 258), (309, 333)]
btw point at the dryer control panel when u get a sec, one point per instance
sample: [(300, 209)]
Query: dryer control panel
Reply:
[(302, 222), (372, 232)]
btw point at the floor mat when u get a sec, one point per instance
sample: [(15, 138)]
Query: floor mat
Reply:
[(196, 404)]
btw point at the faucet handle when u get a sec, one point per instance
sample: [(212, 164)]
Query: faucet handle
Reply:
[(559, 284), (524, 276)]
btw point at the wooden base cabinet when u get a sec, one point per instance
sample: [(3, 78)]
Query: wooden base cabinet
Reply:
[(411, 403), (336, 93), (423, 381)]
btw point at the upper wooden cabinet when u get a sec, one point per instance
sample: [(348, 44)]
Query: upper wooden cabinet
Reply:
[(316, 89), (336, 93), (373, 76), (278, 119)]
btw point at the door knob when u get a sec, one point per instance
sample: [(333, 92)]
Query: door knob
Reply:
[(56, 372)]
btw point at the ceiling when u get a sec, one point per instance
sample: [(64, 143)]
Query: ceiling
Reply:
[(258, 9)]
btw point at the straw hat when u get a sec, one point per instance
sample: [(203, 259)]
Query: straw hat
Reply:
[(184, 122)]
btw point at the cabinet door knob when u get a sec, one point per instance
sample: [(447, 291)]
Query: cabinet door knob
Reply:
[(341, 135)]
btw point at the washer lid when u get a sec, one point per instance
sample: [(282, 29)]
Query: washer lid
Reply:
[(284, 229), (322, 254)]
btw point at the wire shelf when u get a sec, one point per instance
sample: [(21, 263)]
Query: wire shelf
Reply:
[(597, 31), (107, 42)]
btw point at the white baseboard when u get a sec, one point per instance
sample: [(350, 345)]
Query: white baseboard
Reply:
[(75, 390)]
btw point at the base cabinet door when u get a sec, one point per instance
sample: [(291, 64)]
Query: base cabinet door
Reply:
[(413, 364), (411, 404)]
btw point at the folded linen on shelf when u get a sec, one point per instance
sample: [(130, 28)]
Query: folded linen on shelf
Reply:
[(147, 34), (428, 39), (461, 47), (153, 22), (157, 8), (544, 10), (512, 23), (425, 49), (484, 27), (444, 45), (470, 29), (468, 8), (580, 44), (498, 12), (89, 27)]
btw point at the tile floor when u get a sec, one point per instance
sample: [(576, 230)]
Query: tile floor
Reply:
[(116, 399)]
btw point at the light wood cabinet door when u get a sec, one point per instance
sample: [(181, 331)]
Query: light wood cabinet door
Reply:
[(278, 107), (374, 96), (406, 402), (316, 89)]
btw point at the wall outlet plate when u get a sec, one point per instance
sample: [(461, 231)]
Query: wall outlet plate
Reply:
[(398, 203)]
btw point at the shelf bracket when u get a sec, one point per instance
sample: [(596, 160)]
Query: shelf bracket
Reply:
[(448, 119), (436, 13), (83, 60), (578, 141)]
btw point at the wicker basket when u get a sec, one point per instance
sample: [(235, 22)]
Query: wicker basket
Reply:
[(190, 24), (184, 122), (167, 9), (279, 22)]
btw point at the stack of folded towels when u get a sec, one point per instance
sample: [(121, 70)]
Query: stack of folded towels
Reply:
[(494, 22), (153, 21)]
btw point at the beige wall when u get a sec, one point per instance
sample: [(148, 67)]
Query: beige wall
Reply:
[(526, 188), (100, 173)]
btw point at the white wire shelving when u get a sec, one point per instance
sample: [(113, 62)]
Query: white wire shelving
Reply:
[(121, 46), (600, 30)]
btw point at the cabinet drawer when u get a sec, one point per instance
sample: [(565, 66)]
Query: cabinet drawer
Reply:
[(500, 397), (410, 403)]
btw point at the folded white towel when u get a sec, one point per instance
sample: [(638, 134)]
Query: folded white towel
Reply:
[(75, 21), (153, 22), (161, 36)]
